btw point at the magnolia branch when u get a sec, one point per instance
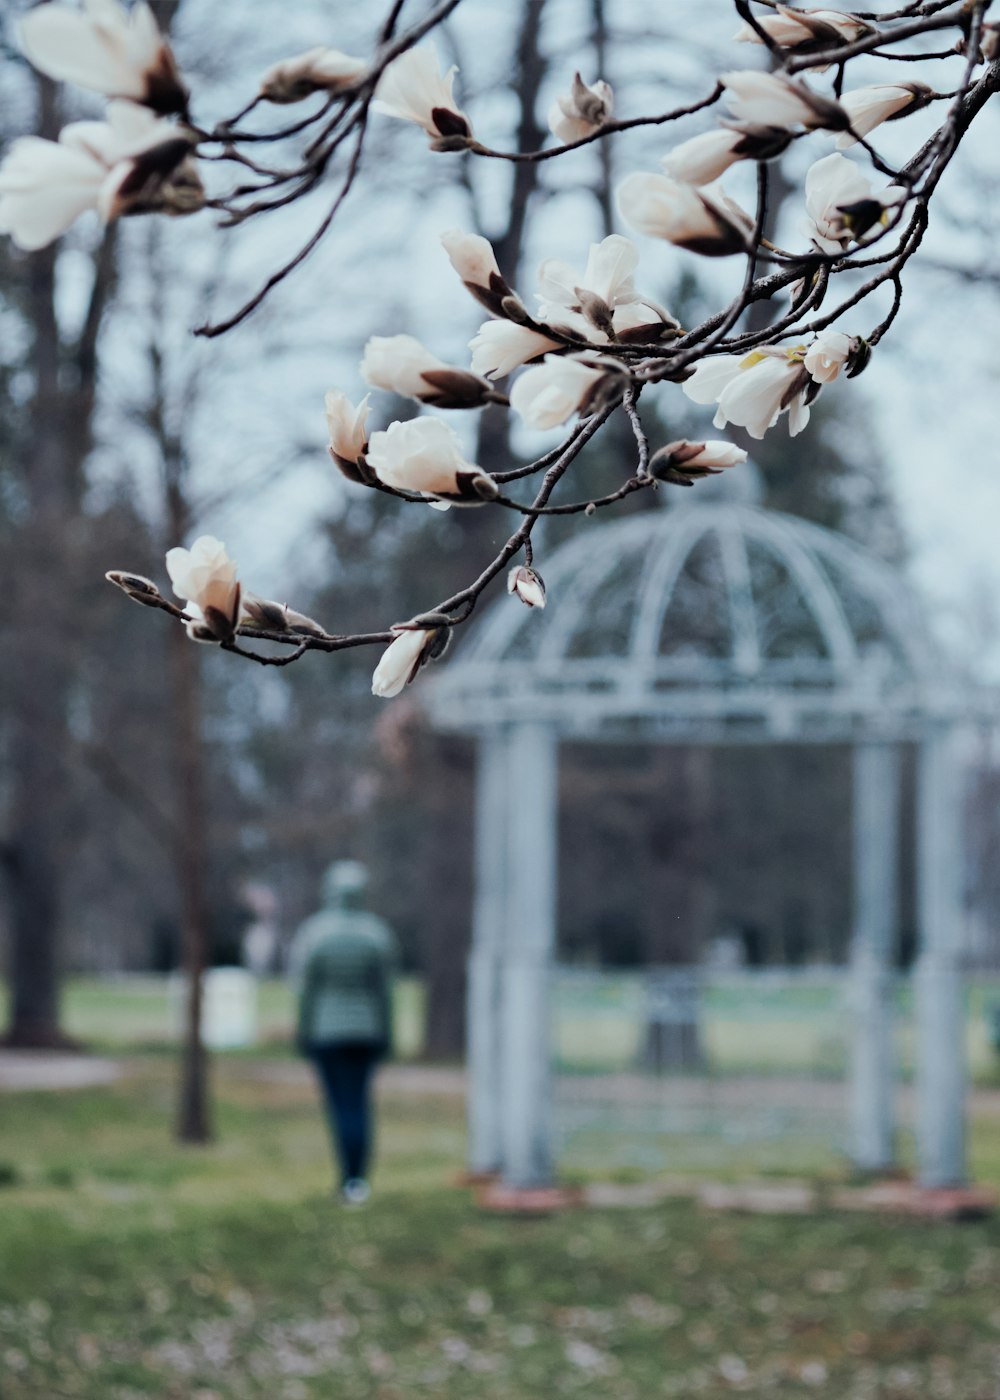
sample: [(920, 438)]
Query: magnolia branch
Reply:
[(595, 341)]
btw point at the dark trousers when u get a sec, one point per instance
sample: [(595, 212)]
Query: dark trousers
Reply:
[(345, 1071)]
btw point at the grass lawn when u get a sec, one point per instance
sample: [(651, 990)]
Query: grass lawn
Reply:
[(130, 1267), (748, 1025)]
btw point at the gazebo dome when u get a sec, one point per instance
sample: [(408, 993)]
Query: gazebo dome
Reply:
[(710, 615)]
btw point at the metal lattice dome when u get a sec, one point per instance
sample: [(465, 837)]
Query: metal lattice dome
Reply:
[(707, 617)]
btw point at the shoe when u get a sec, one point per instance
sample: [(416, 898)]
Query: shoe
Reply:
[(355, 1191)]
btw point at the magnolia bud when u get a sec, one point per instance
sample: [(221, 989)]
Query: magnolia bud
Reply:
[(219, 624), (514, 309), (682, 462), (299, 622), (857, 360), (596, 310), (136, 586), (277, 617), (456, 388), (259, 612), (528, 586)]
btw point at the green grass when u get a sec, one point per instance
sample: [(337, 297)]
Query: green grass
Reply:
[(757, 1028), (131, 1267), (112, 1014)]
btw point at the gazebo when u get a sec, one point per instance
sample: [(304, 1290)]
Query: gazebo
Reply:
[(712, 622)]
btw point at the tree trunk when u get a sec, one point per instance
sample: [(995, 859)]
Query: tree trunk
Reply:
[(44, 586), (605, 185), (32, 864)]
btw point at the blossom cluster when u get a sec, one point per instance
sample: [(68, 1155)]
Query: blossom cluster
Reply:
[(591, 340), (139, 160)]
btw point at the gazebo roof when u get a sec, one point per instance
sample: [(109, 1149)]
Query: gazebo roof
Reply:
[(710, 620)]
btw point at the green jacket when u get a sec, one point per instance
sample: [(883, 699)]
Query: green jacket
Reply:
[(344, 960)]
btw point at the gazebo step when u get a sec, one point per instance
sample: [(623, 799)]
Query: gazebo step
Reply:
[(528, 1200)]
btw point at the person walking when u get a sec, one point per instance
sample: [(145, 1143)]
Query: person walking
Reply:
[(344, 959)]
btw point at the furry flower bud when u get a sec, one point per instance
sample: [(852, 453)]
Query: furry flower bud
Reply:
[(316, 70), (683, 462)]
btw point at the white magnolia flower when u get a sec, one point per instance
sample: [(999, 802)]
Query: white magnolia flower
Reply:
[(833, 183), (414, 89), (106, 48), (425, 455), (841, 205), (828, 354), (642, 321), (582, 111), (205, 577), (813, 29), (403, 658), (316, 70), (601, 303), (705, 158), (691, 218), (683, 463), (132, 161), (607, 276), (527, 585), (398, 363), (868, 107), (472, 257), (474, 260), (753, 391), (44, 187), (500, 346), (553, 391), (771, 99), (348, 437), (402, 365)]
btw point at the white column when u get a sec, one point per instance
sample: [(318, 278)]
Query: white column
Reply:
[(529, 946), (939, 992), (483, 985), (876, 842)]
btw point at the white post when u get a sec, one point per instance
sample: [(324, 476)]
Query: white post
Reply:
[(529, 946), (939, 993), (876, 837), (483, 985)]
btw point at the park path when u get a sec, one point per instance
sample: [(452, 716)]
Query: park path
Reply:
[(45, 1069), (27, 1070), (23, 1070)]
